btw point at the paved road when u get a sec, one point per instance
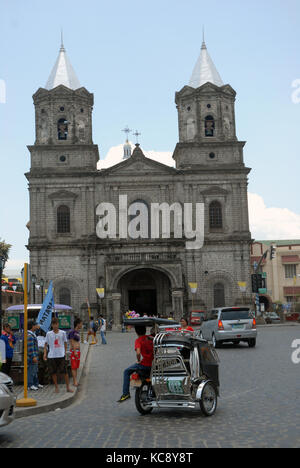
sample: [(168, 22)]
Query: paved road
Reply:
[(259, 404)]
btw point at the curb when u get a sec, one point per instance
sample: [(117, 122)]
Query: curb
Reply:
[(278, 325), (66, 400)]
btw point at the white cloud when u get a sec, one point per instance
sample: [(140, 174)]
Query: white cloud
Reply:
[(14, 266), (271, 223)]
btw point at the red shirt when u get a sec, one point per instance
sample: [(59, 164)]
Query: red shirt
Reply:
[(188, 328), (145, 344)]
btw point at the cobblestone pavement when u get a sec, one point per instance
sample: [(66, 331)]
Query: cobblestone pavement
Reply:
[(259, 404), (46, 398)]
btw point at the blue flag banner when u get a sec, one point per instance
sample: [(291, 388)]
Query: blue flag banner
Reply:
[(45, 314)]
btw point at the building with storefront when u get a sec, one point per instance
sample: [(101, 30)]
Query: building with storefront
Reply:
[(283, 271)]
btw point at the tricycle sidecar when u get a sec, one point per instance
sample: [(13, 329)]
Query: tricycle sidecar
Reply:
[(184, 373)]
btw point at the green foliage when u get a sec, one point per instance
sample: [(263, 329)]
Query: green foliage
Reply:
[(4, 249)]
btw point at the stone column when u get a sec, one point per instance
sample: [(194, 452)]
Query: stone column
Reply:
[(116, 307), (177, 302)]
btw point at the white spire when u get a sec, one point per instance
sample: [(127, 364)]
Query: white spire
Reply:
[(205, 70), (63, 72)]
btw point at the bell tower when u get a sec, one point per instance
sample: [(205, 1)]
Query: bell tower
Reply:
[(63, 121), (206, 118)]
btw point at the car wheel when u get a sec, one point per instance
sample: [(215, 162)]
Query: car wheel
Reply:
[(215, 343), (209, 400), (252, 343)]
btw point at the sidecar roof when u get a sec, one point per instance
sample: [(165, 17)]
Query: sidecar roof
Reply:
[(149, 321)]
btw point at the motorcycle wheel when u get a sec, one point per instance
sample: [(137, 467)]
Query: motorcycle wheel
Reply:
[(140, 397), (209, 400)]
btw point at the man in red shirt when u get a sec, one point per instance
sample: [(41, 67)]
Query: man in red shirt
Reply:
[(144, 354)]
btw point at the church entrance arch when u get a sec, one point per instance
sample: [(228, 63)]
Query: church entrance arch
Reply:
[(146, 291)]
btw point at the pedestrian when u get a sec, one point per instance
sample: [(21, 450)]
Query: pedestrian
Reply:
[(185, 327), (144, 354), (74, 337), (56, 341), (33, 356), (103, 329), (93, 328), (123, 324), (10, 341)]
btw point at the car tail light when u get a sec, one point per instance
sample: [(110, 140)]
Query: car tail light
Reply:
[(220, 325), (254, 323)]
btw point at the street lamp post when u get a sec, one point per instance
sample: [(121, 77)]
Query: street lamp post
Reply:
[(2, 263), (42, 289), (33, 280)]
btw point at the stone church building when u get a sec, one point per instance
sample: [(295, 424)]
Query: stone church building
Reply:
[(144, 274)]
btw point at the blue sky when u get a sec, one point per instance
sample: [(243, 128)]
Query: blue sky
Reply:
[(134, 56)]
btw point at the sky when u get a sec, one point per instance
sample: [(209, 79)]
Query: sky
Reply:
[(134, 56)]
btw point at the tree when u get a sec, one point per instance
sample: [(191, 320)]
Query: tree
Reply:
[(4, 249)]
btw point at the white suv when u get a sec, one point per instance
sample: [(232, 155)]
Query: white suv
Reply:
[(7, 400), (230, 324)]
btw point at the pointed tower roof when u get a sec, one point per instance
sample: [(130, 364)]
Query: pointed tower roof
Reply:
[(205, 70), (63, 72)]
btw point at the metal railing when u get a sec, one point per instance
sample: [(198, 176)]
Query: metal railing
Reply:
[(160, 371)]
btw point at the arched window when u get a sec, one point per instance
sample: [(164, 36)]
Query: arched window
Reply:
[(215, 215), (65, 296), (219, 295), (209, 126), (63, 219), (62, 129)]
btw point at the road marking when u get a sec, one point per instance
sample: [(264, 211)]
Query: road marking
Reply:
[(238, 395)]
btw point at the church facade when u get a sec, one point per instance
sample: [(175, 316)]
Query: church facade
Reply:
[(145, 274)]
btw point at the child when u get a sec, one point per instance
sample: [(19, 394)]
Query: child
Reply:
[(74, 337)]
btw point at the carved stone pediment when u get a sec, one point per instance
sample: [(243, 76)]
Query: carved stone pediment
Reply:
[(215, 190), (63, 195), (138, 163)]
